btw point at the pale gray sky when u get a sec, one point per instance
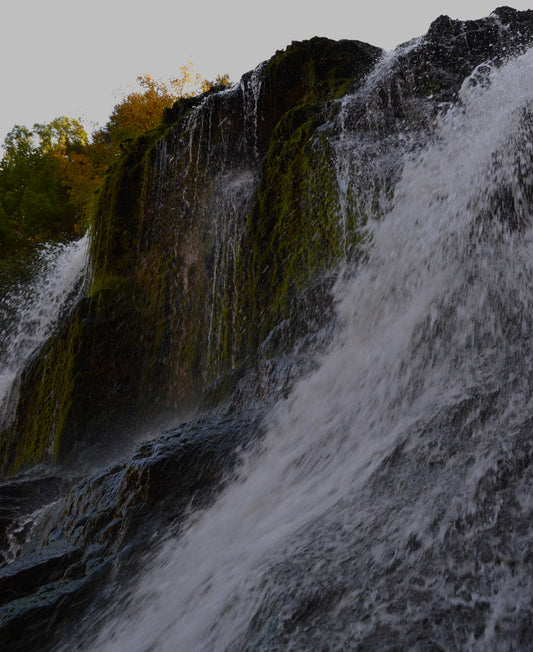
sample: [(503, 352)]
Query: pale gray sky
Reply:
[(73, 57)]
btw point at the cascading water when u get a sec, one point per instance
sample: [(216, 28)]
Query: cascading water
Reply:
[(380, 509), (30, 311)]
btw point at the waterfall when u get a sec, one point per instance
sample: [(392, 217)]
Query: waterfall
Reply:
[(30, 311), (379, 487)]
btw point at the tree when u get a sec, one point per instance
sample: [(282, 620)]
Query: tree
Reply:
[(60, 136), (49, 174), (36, 200), (18, 146), (220, 80), (138, 112)]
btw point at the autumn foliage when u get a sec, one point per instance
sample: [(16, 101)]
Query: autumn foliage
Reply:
[(140, 111), (49, 175)]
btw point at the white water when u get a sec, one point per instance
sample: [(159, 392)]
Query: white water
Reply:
[(32, 310), (441, 311)]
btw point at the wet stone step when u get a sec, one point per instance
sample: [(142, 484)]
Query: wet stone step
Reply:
[(28, 623), (23, 495), (27, 575)]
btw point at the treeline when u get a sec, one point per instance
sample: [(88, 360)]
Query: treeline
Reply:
[(49, 175)]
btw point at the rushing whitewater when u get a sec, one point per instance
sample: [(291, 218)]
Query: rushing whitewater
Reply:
[(375, 509), (32, 310)]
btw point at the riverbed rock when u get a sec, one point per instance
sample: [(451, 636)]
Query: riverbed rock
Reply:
[(95, 535)]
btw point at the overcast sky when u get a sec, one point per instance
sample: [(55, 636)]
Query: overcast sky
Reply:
[(74, 57)]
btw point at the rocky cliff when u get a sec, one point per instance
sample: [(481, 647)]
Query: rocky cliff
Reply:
[(215, 248), (200, 244), (216, 235)]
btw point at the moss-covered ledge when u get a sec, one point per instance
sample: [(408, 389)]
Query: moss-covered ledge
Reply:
[(172, 307), (79, 386)]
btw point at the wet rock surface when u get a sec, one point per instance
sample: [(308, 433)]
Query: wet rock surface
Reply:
[(79, 553), (202, 244), (95, 535), (23, 495)]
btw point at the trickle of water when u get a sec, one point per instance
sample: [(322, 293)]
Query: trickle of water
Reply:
[(31, 311), (232, 198), (251, 90), (438, 318), (18, 532), (373, 137)]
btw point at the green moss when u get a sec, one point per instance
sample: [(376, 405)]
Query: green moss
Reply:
[(46, 387), (318, 70), (112, 282), (80, 385), (293, 232), (294, 228), (431, 88), (169, 309)]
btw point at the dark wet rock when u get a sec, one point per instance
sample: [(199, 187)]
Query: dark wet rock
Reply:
[(34, 570), (22, 495), (97, 533), (453, 48), (32, 622), (216, 249), (307, 73), (216, 227), (173, 228)]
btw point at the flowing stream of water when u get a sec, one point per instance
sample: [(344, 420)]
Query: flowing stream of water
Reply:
[(429, 371), (31, 311)]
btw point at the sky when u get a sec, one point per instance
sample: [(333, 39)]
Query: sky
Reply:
[(79, 58)]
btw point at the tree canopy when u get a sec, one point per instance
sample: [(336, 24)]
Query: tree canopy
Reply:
[(49, 174), (36, 202), (138, 111)]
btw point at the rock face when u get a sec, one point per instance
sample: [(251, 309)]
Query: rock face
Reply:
[(181, 258), (217, 241), (214, 226)]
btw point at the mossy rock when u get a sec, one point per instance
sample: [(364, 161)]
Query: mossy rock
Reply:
[(78, 386), (172, 309)]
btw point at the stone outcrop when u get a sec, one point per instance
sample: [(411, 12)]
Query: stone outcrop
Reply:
[(212, 226), (216, 244), (178, 257), (98, 533)]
